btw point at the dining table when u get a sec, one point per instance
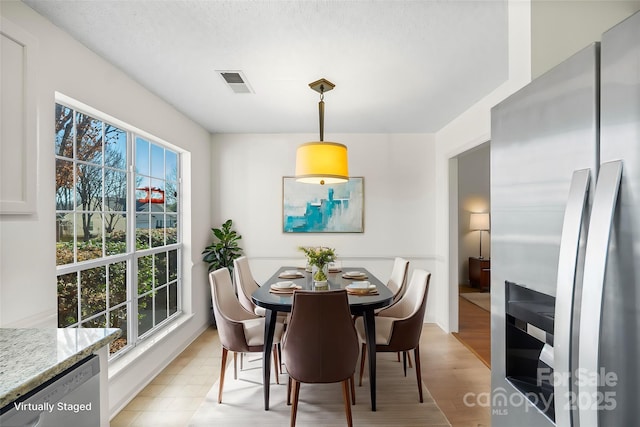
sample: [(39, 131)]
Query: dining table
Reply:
[(275, 300)]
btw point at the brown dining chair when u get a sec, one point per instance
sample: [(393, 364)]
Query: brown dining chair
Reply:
[(398, 328), (320, 324), (239, 330)]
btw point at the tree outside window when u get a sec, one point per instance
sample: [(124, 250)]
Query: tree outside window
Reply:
[(103, 281)]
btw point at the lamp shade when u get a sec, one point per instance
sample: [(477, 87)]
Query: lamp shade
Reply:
[(479, 221), (322, 163)]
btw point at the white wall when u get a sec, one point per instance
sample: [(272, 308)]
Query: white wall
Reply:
[(470, 129), (27, 255), (557, 30), (399, 187), (473, 196), (561, 28), (273, 156)]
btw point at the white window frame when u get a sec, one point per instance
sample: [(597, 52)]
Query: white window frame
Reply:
[(131, 256)]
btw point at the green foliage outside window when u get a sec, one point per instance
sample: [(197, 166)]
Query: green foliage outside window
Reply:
[(94, 282)]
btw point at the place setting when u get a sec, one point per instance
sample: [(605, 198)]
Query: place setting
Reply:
[(355, 275), (285, 287), (362, 288), (334, 267), (291, 274)]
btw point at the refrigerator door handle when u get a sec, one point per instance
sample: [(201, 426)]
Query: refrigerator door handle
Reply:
[(604, 204), (567, 265)]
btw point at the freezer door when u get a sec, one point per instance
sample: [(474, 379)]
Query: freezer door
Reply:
[(540, 136), (566, 293), (587, 397), (620, 140)]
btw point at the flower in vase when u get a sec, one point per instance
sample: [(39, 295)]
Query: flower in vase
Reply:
[(319, 257)]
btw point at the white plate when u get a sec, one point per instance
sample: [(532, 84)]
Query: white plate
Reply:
[(291, 273), (361, 285), (354, 273), (283, 285)]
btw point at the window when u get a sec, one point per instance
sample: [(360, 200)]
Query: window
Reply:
[(117, 243)]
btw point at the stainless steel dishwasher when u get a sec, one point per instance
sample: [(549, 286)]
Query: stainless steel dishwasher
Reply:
[(70, 399)]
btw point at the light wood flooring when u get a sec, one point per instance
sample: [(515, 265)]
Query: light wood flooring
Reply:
[(449, 370), (474, 327)]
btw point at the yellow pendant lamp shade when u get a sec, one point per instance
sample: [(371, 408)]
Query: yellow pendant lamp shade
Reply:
[(322, 163)]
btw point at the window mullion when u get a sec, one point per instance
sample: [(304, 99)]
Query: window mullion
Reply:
[(132, 268), (75, 191), (153, 292), (79, 297), (103, 205), (132, 320)]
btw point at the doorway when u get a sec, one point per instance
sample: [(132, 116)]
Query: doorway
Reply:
[(474, 251)]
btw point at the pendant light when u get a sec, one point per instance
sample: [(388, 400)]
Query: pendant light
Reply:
[(321, 162)]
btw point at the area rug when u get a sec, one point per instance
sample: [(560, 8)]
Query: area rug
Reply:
[(481, 299), (320, 404)]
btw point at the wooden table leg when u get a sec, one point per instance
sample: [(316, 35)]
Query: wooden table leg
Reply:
[(269, 330), (370, 330)]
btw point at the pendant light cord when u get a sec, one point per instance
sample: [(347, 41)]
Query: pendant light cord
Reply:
[(321, 112)]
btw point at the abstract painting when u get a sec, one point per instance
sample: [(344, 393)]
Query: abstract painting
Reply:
[(331, 208)]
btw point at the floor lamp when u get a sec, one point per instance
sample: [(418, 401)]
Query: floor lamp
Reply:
[(479, 222)]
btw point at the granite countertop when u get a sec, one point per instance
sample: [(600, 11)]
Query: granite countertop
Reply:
[(29, 357)]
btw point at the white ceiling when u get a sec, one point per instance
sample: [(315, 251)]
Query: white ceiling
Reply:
[(398, 66)]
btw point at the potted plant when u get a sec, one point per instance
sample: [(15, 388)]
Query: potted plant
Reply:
[(319, 259), (222, 251), (224, 248)]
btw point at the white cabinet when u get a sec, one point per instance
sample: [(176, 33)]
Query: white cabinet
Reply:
[(18, 121)]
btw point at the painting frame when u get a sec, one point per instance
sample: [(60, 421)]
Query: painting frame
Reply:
[(329, 208)]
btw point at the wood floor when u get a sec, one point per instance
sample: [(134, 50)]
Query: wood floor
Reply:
[(452, 373), (474, 328), (455, 377)]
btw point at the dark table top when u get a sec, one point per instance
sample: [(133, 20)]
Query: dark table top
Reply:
[(358, 303)]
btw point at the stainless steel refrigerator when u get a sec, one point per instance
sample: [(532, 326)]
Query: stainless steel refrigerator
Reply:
[(565, 198)]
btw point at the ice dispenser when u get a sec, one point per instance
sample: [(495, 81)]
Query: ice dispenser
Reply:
[(529, 344)]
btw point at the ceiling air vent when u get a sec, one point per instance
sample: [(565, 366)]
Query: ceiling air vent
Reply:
[(236, 81)]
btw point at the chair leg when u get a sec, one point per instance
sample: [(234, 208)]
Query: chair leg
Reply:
[(276, 363), (404, 362), (289, 392), (416, 353), (347, 403), (280, 357), (363, 356), (294, 407), (409, 359), (222, 369), (235, 365), (398, 354), (241, 361), (353, 390)]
